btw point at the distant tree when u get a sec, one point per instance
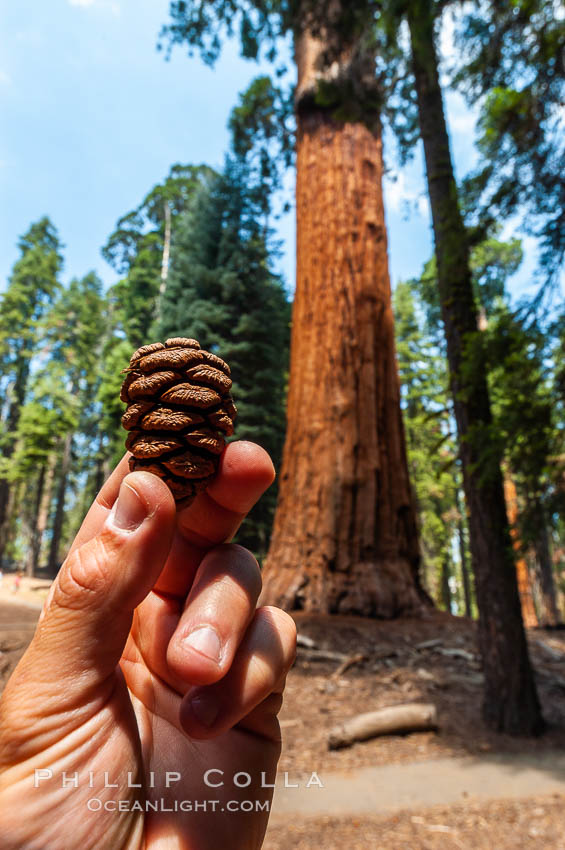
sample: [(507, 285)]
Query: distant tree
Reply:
[(50, 411), (524, 416), (222, 292), (73, 331), (140, 247), (510, 698), (31, 289), (432, 453)]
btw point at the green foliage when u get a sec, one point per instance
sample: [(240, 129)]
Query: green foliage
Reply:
[(513, 67), (148, 219), (428, 421), (50, 411), (31, 289), (136, 248), (492, 263), (262, 135), (222, 292), (525, 417), (346, 30)]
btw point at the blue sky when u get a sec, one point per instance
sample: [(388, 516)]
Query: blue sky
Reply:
[(93, 117)]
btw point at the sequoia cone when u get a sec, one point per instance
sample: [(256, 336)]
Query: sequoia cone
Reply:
[(179, 408)]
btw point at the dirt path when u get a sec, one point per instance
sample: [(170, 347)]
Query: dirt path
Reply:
[(394, 787), (536, 823)]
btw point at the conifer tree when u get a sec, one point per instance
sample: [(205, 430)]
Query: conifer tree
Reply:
[(140, 245), (31, 289), (222, 292), (510, 697), (432, 453), (73, 331), (510, 64)]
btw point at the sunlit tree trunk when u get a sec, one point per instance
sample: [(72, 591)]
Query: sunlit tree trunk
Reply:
[(465, 578), (445, 587), (7, 496), (43, 517), (34, 541), (53, 562), (522, 572), (549, 608), (345, 537)]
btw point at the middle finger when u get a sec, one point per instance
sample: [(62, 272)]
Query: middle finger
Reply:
[(195, 645)]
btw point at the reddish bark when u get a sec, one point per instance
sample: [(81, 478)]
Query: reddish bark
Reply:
[(522, 573), (344, 537)]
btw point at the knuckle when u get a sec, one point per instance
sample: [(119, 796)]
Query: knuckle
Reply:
[(85, 575), (243, 568), (284, 628)]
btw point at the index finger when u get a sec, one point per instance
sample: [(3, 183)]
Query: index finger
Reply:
[(245, 472)]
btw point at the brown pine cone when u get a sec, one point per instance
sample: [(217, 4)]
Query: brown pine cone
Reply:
[(179, 408)]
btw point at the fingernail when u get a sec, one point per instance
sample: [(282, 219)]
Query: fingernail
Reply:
[(129, 511), (205, 708), (206, 641)]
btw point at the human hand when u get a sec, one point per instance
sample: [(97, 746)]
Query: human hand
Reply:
[(112, 703)]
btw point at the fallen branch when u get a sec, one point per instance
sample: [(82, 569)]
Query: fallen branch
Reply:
[(322, 655), (397, 719), (347, 663), (305, 641), (455, 653), (429, 644)]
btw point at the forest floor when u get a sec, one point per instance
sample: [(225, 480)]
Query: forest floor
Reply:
[(518, 802)]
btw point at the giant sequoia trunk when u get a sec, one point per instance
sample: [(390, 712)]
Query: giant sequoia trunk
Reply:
[(344, 537), (510, 697)]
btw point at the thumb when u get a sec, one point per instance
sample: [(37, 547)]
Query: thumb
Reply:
[(87, 615)]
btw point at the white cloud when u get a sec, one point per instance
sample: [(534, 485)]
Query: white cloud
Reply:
[(109, 5), (400, 196)]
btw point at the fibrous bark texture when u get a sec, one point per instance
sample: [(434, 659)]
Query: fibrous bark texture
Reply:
[(179, 408), (345, 537)]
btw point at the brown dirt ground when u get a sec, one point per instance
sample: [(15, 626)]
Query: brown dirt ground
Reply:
[(395, 670), (534, 824)]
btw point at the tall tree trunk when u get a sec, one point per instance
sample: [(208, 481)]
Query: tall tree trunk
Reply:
[(550, 611), (43, 517), (34, 540), (9, 444), (522, 572), (53, 562), (510, 697), (345, 536), (445, 588), (99, 476), (165, 258), (463, 557)]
